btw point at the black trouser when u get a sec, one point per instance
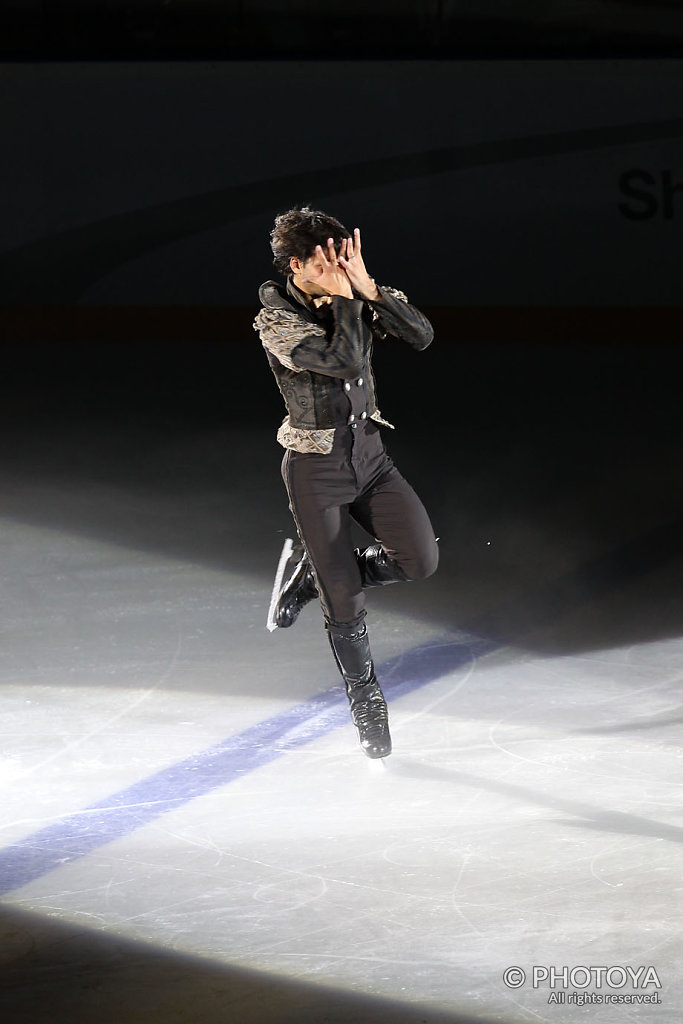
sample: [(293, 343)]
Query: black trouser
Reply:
[(357, 480)]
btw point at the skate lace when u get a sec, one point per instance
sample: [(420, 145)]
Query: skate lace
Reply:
[(370, 714)]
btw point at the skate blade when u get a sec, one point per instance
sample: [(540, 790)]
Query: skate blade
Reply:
[(271, 624)]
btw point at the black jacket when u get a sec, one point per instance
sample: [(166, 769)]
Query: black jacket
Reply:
[(322, 357)]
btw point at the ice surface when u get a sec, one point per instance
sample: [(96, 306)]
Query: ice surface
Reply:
[(530, 815)]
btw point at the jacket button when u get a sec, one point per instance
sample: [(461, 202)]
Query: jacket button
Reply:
[(359, 382), (363, 415), (347, 386), (354, 426), (351, 418)]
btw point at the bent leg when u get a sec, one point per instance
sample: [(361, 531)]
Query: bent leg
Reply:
[(391, 512)]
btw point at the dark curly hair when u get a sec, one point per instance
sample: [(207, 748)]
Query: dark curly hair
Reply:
[(297, 232)]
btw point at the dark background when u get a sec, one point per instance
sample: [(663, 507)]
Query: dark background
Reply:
[(162, 29)]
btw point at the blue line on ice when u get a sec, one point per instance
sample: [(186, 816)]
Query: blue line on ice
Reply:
[(77, 835)]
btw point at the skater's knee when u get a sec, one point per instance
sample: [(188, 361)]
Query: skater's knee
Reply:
[(423, 563)]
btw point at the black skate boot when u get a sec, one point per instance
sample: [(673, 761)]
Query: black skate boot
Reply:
[(299, 588), (351, 649), (377, 568)]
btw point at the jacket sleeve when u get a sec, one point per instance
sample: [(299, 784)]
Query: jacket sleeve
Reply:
[(301, 345), (394, 315)]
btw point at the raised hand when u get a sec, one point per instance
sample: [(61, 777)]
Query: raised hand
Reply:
[(351, 260), (323, 271)]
